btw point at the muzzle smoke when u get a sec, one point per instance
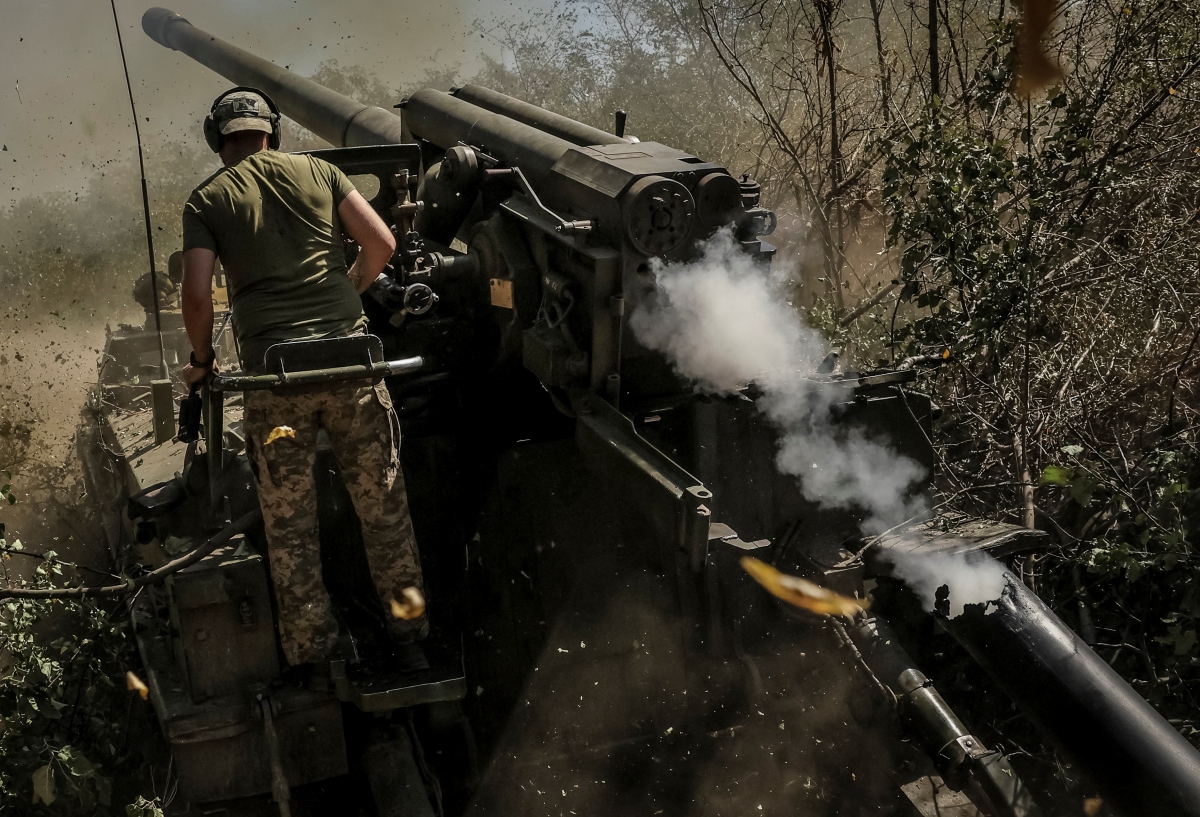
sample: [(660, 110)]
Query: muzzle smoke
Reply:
[(970, 578), (724, 322)]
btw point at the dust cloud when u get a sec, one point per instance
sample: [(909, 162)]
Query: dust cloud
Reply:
[(725, 323), (64, 112), (47, 365)]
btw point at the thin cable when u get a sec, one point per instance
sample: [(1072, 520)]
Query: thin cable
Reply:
[(137, 131)]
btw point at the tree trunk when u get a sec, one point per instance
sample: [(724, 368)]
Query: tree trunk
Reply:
[(935, 69), (833, 252), (885, 78), (1025, 476)]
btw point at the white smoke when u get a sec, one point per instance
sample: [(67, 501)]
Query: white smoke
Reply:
[(970, 577), (724, 322)]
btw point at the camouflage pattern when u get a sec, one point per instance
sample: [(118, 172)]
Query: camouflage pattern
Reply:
[(365, 435)]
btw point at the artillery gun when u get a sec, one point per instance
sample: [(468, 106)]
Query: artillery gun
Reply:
[(581, 510)]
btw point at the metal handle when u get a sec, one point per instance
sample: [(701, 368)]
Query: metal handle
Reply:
[(214, 402), (337, 374), (565, 227)]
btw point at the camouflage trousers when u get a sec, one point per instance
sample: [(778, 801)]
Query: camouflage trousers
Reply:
[(365, 434)]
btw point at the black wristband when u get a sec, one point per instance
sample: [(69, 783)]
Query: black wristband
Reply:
[(198, 365)]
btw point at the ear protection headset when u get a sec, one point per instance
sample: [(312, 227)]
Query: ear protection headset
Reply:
[(212, 128)]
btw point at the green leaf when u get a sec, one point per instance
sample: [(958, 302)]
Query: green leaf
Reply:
[(1182, 640), (43, 785), (1186, 641), (1057, 475), (143, 808), (1082, 488), (74, 762), (104, 790)]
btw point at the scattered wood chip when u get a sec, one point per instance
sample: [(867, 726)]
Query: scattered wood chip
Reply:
[(801, 592), (411, 604), (279, 433), (135, 684)]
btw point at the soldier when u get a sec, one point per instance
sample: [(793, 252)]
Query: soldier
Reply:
[(276, 220), (168, 288)]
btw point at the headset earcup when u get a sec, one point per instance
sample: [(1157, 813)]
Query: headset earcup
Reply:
[(212, 135), (276, 134)]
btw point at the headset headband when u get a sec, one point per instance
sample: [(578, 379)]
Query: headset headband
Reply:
[(245, 88)]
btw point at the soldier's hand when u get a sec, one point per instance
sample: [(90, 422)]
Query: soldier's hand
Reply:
[(193, 375)]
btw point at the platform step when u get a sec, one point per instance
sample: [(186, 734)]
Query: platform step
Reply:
[(375, 687)]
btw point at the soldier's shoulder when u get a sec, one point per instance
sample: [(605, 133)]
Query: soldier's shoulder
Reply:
[(316, 162), (294, 163), (282, 158), (208, 184)]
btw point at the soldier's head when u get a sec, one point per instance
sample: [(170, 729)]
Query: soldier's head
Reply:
[(242, 121)]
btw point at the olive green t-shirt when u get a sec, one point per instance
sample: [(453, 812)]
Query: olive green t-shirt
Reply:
[(272, 219)]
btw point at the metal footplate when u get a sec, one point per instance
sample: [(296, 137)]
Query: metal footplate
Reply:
[(378, 688)]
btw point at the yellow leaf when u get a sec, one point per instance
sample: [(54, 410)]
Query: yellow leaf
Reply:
[(801, 592), (412, 604), (1091, 806), (279, 433), (1171, 91), (43, 785), (134, 683)]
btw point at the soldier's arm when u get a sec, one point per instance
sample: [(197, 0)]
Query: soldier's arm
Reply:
[(375, 240), (198, 266)]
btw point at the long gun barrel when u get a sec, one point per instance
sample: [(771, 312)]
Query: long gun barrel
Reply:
[(1141, 763), (336, 118), (552, 123), (521, 134)]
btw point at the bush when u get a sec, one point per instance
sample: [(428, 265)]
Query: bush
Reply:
[(64, 708)]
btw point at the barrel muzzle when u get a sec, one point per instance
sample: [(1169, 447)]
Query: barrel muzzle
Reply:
[(156, 22)]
